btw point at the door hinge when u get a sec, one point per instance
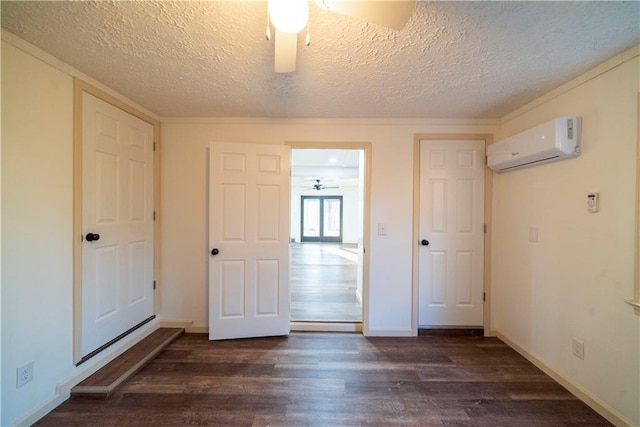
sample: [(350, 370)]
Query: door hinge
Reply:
[(484, 295), (486, 160), (154, 285), (154, 146), (154, 217), (485, 229)]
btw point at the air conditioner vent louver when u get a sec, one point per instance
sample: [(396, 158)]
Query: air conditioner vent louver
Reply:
[(548, 159), (552, 141), (570, 128)]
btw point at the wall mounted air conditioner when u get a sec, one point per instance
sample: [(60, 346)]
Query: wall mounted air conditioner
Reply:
[(556, 140)]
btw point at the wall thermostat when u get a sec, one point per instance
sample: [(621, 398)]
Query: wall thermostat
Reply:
[(593, 202)]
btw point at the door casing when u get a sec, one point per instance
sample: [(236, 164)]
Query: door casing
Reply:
[(366, 147), (488, 180), (80, 87)]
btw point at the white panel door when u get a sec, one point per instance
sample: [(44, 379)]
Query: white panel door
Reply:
[(451, 233), (249, 240), (117, 222)]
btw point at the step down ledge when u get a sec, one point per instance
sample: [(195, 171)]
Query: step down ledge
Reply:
[(104, 381)]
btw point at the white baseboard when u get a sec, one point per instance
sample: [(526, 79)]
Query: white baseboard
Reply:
[(325, 327), (389, 333), (595, 403), (197, 330), (175, 323), (41, 410), (63, 389), (490, 333), (187, 324)]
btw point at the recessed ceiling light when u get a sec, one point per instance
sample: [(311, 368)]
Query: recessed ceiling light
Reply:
[(332, 160)]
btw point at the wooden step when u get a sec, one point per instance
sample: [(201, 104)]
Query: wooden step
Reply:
[(103, 382)]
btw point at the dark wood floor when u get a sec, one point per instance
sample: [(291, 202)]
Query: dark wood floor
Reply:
[(323, 283), (333, 379)]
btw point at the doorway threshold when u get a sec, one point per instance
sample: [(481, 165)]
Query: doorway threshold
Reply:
[(451, 330), (326, 327)]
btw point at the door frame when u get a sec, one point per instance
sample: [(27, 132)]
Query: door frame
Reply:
[(321, 238), (80, 87), (488, 186), (366, 221)]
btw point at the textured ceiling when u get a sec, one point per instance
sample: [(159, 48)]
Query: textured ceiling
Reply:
[(207, 59)]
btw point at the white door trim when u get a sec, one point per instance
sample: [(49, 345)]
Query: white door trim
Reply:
[(80, 87), (366, 147), (488, 180)]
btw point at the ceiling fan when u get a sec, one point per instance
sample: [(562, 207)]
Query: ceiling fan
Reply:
[(289, 17), (317, 186)]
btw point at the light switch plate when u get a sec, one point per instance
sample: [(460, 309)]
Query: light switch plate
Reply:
[(593, 202), (382, 229)]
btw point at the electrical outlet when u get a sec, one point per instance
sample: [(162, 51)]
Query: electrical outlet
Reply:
[(577, 348), (24, 374)]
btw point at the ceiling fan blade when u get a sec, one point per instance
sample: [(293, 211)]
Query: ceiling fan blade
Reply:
[(286, 48), (392, 14)]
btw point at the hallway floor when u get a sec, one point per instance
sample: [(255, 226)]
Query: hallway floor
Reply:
[(323, 283)]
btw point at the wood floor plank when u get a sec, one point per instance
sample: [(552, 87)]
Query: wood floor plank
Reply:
[(323, 283), (105, 380), (334, 379)]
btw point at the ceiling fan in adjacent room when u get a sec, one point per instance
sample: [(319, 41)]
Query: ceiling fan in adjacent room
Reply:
[(317, 186), (289, 17)]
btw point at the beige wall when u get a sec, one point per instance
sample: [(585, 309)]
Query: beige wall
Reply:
[(574, 281), (0, 258), (37, 220), (37, 192), (184, 253)]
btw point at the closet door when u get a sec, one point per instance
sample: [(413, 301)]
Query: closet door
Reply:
[(117, 223)]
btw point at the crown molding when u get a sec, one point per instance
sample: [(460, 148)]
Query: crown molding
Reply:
[(59, 65)]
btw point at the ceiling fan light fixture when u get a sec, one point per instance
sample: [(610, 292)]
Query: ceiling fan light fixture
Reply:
[(289, 16)]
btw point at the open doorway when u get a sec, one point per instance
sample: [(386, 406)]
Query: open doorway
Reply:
[(327, 200)]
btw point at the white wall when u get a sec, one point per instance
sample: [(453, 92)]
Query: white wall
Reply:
[(184, 250), (37, 190), (0, 259), (37, 219), (350, 221), (574, 281)]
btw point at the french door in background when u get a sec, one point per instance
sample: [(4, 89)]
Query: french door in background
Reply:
[(321, 219)]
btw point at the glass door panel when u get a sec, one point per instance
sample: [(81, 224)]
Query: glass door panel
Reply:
[(331, 214), (321, 219), (310, 218)]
